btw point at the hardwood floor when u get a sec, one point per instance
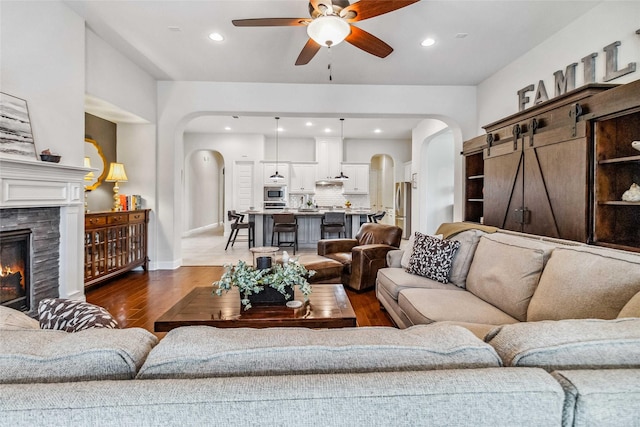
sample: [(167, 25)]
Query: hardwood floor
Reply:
[(138, 298)]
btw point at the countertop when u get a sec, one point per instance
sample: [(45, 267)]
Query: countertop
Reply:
[(307, 212)]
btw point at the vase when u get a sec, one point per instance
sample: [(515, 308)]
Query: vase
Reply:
[(270, 296)]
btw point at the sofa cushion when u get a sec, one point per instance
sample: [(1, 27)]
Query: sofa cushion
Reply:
[(73, 316), (569, 344), (433, 305), (432, 257), (600, 397), (464, 255), (505, 271), (581, 282), (14, 320), (632, 308), (48, 356), (406, 255), (197, 352), (393, 280)]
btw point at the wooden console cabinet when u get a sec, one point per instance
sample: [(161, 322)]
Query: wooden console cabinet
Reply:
[(114, 243), (559, 169)]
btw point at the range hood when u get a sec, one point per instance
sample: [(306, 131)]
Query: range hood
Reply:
[(329, 183)]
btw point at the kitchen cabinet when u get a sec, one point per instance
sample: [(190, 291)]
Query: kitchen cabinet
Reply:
[(114, 243), (329, 157), (358, 182), (269, 168), (303, 178)]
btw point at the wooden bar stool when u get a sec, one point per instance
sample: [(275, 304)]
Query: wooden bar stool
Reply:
[(238, 225), (285, 223), (333, 222)]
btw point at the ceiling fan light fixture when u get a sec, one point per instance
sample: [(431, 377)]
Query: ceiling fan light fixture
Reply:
[(328, 30)]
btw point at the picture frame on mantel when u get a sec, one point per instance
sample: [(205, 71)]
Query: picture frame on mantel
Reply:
[(16, 137)]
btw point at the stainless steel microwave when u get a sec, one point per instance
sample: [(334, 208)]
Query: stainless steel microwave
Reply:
[(275, 193)]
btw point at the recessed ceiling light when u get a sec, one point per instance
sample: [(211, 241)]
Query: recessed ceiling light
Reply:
[(377, 131), (308, 124), (428, 42), (327, 130), (227, 128), (280, 129), (461, 35), (216, 37)]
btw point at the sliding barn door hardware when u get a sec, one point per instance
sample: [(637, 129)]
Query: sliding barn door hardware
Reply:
[(574, 113), (533, 126), (516, 131), (489, 143)]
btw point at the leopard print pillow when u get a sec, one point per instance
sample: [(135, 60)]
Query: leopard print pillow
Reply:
[(73, 316), (432, 257)]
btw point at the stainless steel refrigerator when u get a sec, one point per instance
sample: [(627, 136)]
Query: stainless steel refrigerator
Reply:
[(403, 208)]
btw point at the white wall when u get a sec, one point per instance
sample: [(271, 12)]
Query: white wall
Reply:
[(202, 172), (438, 180), (113, 78), (290, 149), (362, 150), (604, 24), (42, 61)]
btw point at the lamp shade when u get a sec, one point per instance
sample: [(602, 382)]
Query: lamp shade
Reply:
[(87, 164), (116, 173), (328, 30)]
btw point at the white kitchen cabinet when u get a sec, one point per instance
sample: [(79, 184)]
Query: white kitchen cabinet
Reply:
[(358, 182), (269, 168), (303, 178), (328, 156)]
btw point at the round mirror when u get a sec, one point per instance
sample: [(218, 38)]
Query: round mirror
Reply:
[(94, 152)]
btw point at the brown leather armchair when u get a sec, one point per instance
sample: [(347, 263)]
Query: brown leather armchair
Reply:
[(363, 256)]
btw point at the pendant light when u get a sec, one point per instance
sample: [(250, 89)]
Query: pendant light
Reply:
[(276, 176), (342, 176)]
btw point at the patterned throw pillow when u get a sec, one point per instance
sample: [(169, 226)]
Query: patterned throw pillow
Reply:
[(432, 257), (73, 316)]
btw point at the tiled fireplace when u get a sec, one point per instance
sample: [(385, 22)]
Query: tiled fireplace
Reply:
[(41, 232)]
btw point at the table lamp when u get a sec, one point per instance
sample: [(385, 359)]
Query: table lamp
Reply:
[(116, 175), (88, 178)]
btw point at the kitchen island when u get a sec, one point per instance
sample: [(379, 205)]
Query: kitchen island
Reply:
[(309, 221)]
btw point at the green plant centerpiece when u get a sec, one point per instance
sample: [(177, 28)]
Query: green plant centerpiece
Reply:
[(251, 281)]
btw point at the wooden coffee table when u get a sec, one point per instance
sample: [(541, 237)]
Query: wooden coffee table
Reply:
[(328, 307)]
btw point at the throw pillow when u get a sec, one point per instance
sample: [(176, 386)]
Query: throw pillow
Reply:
[(73, 316), (14, 320), (406, 254), (432, 257)]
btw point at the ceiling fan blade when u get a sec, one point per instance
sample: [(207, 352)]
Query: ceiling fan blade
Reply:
[(271, 22), (368, 42), (308, 52), (317, 3), (365, 9)]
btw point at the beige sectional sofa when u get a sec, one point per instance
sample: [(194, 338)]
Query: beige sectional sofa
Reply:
[(527, 374), (504, 278)]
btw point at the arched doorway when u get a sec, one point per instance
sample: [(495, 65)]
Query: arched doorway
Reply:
[(381, 185)]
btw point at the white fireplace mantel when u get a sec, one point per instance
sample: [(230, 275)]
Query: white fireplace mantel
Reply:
[(32, 183)]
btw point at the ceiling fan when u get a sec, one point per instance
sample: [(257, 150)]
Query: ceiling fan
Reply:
[(330, 24)]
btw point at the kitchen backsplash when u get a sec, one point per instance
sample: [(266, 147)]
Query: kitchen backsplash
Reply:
[(331, 196)]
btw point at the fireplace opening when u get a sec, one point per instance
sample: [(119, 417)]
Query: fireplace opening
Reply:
[(15, 269)]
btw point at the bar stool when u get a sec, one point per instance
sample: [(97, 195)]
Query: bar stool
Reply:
[(375, 217), (285, 223), (333, 222), (238, 225)]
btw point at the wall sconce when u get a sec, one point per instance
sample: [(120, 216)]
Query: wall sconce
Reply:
[(116, 175), (88, 178)]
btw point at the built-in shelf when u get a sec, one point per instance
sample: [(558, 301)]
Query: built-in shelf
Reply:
[(620, 160), (618, 203), (476, 177)]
